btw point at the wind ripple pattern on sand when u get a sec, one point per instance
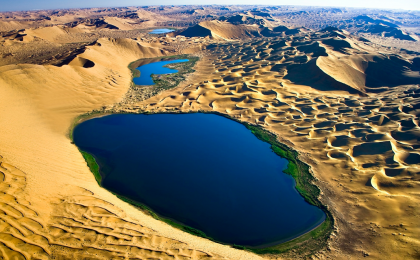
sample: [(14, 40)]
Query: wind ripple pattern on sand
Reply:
[(349, 109), (82, 226)]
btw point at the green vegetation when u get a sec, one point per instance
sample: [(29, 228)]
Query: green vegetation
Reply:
[(93, 166), (134, 72), (309, 243), (148, 211), (162, 82), (297, 169), (82, 118), (168, 81), (305, 245), (90, 160)]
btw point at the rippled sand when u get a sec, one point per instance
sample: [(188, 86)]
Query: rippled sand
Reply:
[(349, 109)]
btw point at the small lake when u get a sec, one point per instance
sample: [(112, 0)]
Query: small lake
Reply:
[(203, 170), (160, 31), (147, 70)]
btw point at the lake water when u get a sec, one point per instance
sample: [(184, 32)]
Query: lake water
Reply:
[(159, 31), (202, 170), (154, 68)]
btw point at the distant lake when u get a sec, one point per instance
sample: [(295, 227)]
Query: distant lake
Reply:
[(203, 170), (159, 31), (154, 68)]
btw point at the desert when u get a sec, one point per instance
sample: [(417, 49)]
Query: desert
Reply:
[(336, 90)]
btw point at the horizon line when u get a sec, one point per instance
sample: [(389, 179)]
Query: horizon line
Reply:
[(142, 6)]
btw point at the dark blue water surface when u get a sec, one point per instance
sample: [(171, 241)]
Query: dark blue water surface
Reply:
[(154, 68), (159, 31), (203, 170)]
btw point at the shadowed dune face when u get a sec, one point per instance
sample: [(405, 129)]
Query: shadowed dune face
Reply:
[(79, 61), (280, 31), (328, 64), (241, 26), (196, 31), (410, 158), (390, 71), (371, 148), (337, 44), (310, 74)]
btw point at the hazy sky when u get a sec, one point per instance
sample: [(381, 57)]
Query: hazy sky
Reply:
[(11, 5)]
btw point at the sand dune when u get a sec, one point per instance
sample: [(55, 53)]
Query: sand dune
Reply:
[(196, 31), (241, 26), (52, 33), (46, 33), (362, 145), (120, 23), (350, 110), (85, 71), (222, 30)]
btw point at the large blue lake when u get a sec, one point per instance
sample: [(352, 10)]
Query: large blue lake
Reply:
[(154, 68), (202, 170)]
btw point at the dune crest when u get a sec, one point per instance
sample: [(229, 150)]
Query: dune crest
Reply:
[(78, 79)]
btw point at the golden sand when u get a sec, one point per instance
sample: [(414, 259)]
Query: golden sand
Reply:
[(362, 146)]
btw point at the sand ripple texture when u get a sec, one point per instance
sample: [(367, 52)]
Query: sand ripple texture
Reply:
[(81, 227), (352, 112), (349, 109)]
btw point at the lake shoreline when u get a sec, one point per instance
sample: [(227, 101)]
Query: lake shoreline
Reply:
[(137, 93), (321, 232), (314, 239)]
